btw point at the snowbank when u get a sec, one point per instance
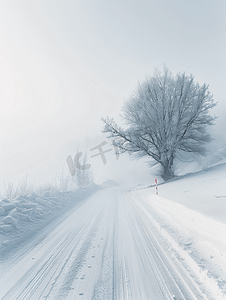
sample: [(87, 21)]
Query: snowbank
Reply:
[(190, 217), (23, 216)]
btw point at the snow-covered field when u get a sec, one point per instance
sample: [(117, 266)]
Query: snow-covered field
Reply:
[(115, 243), (190, 215)]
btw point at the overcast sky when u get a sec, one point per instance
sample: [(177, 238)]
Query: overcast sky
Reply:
[(64, 64)]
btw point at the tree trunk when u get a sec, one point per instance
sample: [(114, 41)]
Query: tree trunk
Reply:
[(168, 170)]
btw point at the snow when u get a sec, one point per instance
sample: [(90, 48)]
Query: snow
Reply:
[(105, 242), (103, 249), (190, 214), (203, 192), (24, 216)]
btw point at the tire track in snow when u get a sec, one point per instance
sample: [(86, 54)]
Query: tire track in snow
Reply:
[(146, 269), (106, 249), (72, 266), (176, 277), (50, 260), (121, 287), (104, 287), (27, 247)]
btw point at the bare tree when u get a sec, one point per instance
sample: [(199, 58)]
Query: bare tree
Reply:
[(84, 175), (62, 182), (80, 169), (25, 187), (10, 191), (164, 115)]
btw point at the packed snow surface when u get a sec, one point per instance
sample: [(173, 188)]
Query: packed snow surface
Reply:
[(112, 243)]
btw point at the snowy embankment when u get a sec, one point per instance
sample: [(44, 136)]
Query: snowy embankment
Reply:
[(189, 215), (23, 216)]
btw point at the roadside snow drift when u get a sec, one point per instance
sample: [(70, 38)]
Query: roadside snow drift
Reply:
[(23, 216)]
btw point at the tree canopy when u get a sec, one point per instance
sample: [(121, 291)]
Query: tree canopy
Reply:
[(164, 115)]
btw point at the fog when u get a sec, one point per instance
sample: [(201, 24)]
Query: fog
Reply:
[(65, 64)]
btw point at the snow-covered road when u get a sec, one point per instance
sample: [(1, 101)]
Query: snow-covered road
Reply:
[(105, 248)]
